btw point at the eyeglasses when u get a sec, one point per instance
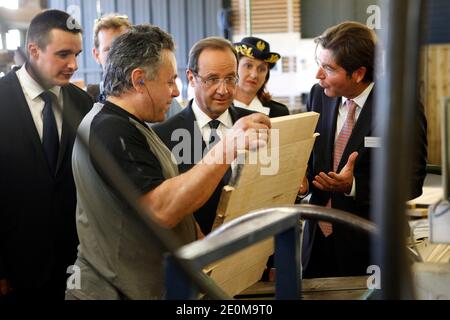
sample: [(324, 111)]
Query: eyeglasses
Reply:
[(229, 81)]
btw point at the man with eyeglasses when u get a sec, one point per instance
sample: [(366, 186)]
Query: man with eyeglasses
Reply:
[(340, 169), (212, 72)]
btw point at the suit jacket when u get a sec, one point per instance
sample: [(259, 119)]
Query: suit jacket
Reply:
[(276, 109), (38, 239), (352, 246), (186, 120)]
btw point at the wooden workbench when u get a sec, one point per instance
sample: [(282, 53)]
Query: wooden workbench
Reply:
[(339, 288)]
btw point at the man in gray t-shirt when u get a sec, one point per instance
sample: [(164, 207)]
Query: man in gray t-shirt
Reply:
[(117, 256)]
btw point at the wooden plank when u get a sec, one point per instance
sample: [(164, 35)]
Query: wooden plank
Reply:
[(255, 191), (432, 280), (434, 87), (432, 193), (238, 16), (356, 294), (336, 288), (267, 16), (236, 272), (271, 30)]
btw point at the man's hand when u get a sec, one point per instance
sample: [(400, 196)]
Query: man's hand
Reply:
[(337, 182), (250, 132), (5, 287)]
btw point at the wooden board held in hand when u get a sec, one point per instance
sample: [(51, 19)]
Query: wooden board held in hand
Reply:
[(265, 178)]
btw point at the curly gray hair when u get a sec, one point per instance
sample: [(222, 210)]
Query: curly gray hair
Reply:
[(140, 47)]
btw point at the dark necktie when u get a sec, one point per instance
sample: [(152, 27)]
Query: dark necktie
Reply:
[(214, 137), (50, 139)]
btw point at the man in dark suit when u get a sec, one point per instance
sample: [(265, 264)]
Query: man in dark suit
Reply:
[(212, 72), (340, 167), (39, 115)]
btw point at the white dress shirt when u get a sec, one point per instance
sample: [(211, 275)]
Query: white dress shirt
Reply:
[(202, 122), (32, 90), (203, 119), (255, 105)]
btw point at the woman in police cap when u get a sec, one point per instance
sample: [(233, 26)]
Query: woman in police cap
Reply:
[(255, 62)]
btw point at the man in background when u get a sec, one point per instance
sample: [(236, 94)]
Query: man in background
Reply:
[(106, 29)]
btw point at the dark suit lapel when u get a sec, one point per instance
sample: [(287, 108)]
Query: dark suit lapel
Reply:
[(26, 118), (66, 130), (233, 114), (190, 123), (362, 129), (236, 113)]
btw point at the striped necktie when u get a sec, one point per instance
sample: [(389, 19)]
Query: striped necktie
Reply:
[(344, 134), (339, 147)]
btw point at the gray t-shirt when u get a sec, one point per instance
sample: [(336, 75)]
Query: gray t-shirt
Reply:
[(117, 255)]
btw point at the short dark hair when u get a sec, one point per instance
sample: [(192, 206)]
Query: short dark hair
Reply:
[(217, 43), (353, 46), (140, 47), (43, 23)]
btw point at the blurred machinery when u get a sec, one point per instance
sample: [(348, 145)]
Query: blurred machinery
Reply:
[(432, 275), (439, 213)]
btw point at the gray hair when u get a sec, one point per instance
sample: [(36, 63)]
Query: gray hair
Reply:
[(140, 47), (216, 43)]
